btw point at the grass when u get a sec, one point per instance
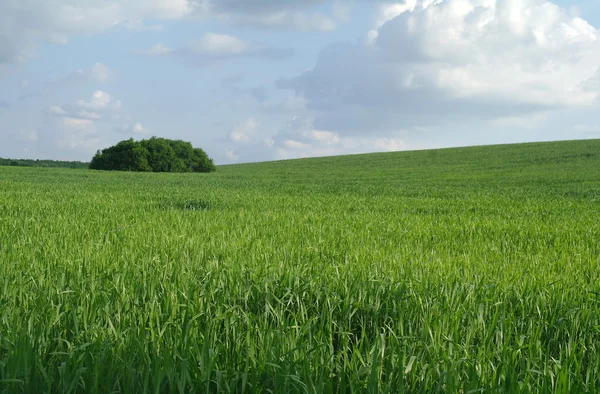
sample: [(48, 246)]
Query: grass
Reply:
[(472, 270)]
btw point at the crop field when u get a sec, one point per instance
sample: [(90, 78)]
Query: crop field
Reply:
[(470, 270)]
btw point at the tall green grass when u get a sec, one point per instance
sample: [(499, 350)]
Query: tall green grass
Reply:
[(461, 271)]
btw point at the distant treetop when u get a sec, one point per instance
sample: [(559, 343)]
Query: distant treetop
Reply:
[(154, 154)]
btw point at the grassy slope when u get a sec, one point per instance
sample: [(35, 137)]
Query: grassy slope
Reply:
[(448, 270)]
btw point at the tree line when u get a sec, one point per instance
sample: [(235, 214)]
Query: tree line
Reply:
[(43, 163)]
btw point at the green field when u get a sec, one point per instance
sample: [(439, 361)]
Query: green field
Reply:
[(459, 270)]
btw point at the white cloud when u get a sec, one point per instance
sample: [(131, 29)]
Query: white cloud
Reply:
[(75, 131), (100, 72), (294, 14), (167, 9), (158, 49), (76, 134), (76, 123), (221, 44), (130, 129), (79, 130), (593, 84), (101, 107), (212, 48), (437, 62), (84, 114), (302, 21), (293, 144), (230, 154), (56, 110), (299, 139), (325, 137), (26, 22), (292, 149), (139, 25), (243, 132), (388, 144), (342, 10), (100, 100)]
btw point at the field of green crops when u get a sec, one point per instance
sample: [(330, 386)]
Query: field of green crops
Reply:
[(458, 271)]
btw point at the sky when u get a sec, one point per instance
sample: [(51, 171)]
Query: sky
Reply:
[(260, 80)]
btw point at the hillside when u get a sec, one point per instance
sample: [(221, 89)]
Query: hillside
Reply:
[(455, 270), (562, 165)]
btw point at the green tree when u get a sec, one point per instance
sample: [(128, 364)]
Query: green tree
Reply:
[(127, 155), (154, 154), (201, 162)]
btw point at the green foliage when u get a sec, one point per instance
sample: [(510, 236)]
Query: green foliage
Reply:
[(154, 154), (471, 270), (42, 163)]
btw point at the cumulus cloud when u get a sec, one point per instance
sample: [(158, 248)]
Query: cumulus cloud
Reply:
[(80, 137), (130, 129), (342, 10), (26, 22), (302, 21), (56, 110), (101, 107), (156, 50), (75, 131), (243, 132), (431, 62), (75, 123), (100, 72), (163, 9), (99, 101), (261, 6), (593, 84), (212, 48), (140, 25), (300, 139), (269, 14), (221, 45)]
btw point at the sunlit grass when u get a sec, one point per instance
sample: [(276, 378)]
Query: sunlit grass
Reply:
[(463, 270)]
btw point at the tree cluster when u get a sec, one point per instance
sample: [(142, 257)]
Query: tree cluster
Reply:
[(154, 154)]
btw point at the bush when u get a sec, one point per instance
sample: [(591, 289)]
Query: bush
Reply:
[(155, 154)]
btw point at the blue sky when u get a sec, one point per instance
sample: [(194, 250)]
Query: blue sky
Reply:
[(258, 80)]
